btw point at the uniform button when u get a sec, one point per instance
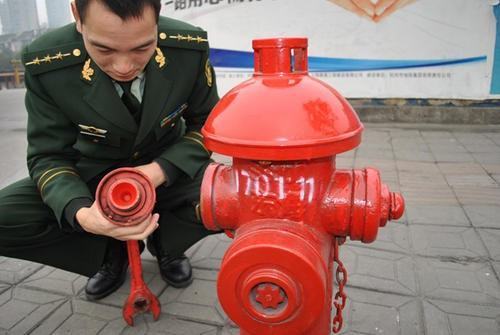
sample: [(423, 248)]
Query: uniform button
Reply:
[(163, 36), (136, 155), (172, 125), (77, 52)]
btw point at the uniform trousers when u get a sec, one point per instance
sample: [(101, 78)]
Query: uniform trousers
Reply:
[(29, 229)]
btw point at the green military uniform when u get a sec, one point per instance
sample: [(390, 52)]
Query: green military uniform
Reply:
[(79, 129)]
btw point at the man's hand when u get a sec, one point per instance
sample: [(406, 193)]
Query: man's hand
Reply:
[(154, 172), (92, 221)]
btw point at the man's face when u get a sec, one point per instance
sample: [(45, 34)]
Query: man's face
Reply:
[(120, 48)]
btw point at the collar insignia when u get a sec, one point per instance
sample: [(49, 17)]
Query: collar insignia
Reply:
[(160, 58), (87, 71)]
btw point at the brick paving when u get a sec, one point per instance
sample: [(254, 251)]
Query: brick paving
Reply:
[(435, 271)]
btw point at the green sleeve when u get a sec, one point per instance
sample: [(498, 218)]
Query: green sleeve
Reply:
[(189, 154), (51, 156)]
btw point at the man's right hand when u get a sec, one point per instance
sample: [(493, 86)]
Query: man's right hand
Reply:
[(92, 221)]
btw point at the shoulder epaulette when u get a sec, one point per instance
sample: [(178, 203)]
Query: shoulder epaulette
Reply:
[(188, 39), (55, 58)]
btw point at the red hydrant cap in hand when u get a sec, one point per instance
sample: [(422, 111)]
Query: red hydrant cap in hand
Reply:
[(126, 196), (282, 113)]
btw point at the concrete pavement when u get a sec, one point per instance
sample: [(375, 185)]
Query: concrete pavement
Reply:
[(435, 271)]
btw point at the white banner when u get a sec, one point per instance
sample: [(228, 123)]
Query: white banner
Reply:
[(411, 49)]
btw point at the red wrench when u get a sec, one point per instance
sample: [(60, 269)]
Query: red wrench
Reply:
[(126, 197)]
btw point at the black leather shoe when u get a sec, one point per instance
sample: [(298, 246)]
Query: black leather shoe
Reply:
[(176, 271), (112, 273)]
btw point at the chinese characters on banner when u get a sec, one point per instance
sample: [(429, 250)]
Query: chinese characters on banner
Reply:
[(186, 4)]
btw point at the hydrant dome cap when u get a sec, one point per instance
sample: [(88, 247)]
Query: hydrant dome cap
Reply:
[(286, 117), (282, 113)]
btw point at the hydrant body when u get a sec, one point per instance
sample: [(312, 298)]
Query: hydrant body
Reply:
[(283, 199)]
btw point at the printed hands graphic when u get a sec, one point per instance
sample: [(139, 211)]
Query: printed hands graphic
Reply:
[(375, 10)]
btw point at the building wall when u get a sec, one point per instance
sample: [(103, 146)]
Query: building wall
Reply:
[(18, 16), (58, 13)]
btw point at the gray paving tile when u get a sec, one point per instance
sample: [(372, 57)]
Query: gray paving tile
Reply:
[(209, 254), (495, 137), (414, 144), (478, 195), (119, 327), (34, 319), (54, 320), (478, 180), (490, 147), (448, 279), (486, 157), (496, 267), (80, 324), (461, 168), (374, 153), (448, 157), (4, 287), (55, 280), (345, 162), (437, 215), (471, 138), (410, 154), (23, 310), (14, 311), (491, 239), (451, 318), (173, 326), (370, 312), (230, 331), (436, 134), (442, 241), (485, 216), (430, 180), (198, 302), (417, 168), (492, 168), (421, 195), (13, 271), (393, 237), (379, 270)]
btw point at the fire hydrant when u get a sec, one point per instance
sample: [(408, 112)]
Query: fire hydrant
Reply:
[(283, 200)]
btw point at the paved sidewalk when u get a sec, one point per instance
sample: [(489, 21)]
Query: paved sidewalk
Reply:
[(435, 271)]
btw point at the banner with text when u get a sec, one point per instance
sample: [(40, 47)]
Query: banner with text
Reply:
[(363, 48)]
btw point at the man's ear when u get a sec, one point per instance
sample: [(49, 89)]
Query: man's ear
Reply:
[(77, 17)]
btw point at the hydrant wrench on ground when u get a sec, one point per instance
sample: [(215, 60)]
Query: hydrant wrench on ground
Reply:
[(127, 197)]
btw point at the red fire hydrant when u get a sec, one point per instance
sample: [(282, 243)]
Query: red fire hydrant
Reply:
[(283, 199)]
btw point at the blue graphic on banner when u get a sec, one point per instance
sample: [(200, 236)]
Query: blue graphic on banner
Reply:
[(244, 60)]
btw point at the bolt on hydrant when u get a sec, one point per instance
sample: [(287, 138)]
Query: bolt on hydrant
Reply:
[(283, 200)]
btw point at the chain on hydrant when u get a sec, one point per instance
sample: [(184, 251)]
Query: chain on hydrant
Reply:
[(340, 297), (283, 199)]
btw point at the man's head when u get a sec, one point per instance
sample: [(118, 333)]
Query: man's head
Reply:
[(119, 35)]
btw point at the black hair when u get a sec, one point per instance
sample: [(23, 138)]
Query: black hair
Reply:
[(125, 9)]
